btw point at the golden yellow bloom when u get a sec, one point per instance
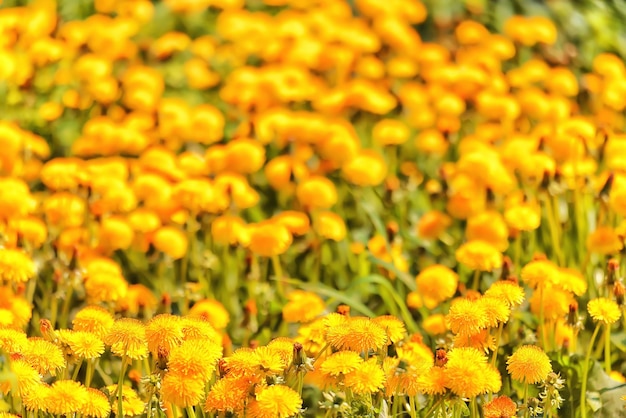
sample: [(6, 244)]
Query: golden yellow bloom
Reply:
[(67, 397), (367, 168), (500, 407), (436, 284), (479, 255), (316, 192), (269, 238), (36, 397), (195, 358), (467, 317), (529, 364), (82, 343), (212, 311), (297, 223), (396, 331), (435, 324), (97, 405), (228, 395), (358, 334), (25, 375), (539, 272), (488, 226), (341, 362), (15, 266), (433, 382), (131, 402), (182, 390), (432, 224), (163, 332), (94, 319), (303, 306), (44, 356), (604, 240), (105, 287), (497, 310), (171, 241), (468, 374), (604, 310), (329, 225), (12, 340), (127, 337), (276, 401), (368, 377), (508, 291)]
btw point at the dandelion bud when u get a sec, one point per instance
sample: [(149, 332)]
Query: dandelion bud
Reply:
[(618, 291), (47, 330), (606, 188), (612, 267), (441, 357), (135, 376), (254, 344), (299, 356), (572, 316), (222, 367), (343, 310)]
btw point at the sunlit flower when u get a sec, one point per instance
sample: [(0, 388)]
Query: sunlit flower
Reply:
[(94, 319), (604, 310), (500, 407), (341, 362), (67, 397), (182, 390), (127, 337), (479, 255), (368, 377), (529, 364), (276, 401), (436, 284)]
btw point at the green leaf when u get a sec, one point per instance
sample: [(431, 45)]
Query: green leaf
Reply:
[(406, 278)]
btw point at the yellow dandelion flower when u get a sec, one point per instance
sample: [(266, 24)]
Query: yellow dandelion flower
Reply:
[(131, 402), (529, 364), (182, 390), (483, 341), (15, 266), (433, 382), (342, 362), (127, 337), (8, 415), (44, 356), (164, 332), (500, 407), (416, 353), (358, 334), (303, 306), (228, 395), (465, 369), (572, 281), (467, 317), (479, 255), (67, 397), (436, 284), (275, 401), (199, 329), (97, 405), (368, 377), (12, 340), (556, 302), (396, 331), (195, 358), (35, 398), (312, 336), (539, 272), (604, 240), (507, 291), (497, 310), (435, 324), (105, 287), (269, 361), (83, 344), (211, 310), (94, 319), (284, 347), (604, 310), (25, 375)]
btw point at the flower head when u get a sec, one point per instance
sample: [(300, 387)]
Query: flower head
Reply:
[(529, 364), (436, 284), (358, 334), (228, 395), (127, 337), (341, 362), (368, 377), (604, 310), (500, 407), (164, 332), (94, 319), (275, 401), (44, 356), (467, 317), (182, 390), (479, 255), (97, 405), (67, 397)]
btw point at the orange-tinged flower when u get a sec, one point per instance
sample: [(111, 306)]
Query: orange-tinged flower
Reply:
[(433, 382), (127, 338), (390, 132), (488, 226), (93, 319), (298, 223), (436, 284), (303, 306), (172, 241), (44, 356), (316, 192), (97, 405), (467, 373), (367, 168), (164, 332), (212, 311), (396, 331), (182, 390), (66, 397), (432, 224), (435, 324), (276, 401), (341, 362), (195, 358), (529, 364), (368, 377), (604, 240), (508, 291), (329, 225), (500, 407), (228, 395), (15, 266), (358, 334), (467, 317), (479, 255), (269, 238)]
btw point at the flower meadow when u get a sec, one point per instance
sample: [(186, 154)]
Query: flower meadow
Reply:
[(310, 208)]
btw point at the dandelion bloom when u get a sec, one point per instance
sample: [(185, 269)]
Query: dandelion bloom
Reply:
[(171, 241), (467, 317), (228, 395), (270, 238), (12, 340), (604, 310), (341, 362), (479, 255), (131, 403), (357, 334), (82, 343), (97, 405), (36, 397), (212, 311), (396, 331), (276, 401), (539, 273), (508, 291), (468, 374), (500, 407), (127, 337), (433, 382), (195, 358), (368, 377), (497, 310), (163, 332), (436, 284), (529, 364), (432, 224), (604, 240), (44, 356), (15, 266), (329, 225), (94, 319), (435, 324), (67, 397), (303, 306), (316, 192), (182, 390), (26, 377)]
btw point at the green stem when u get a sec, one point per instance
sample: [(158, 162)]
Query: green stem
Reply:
[(476, 281), (607, 349), (583, 387), (527, 411), (190, 412), (65, 310), (120, 386), (495, 351), (77, 369), (89, 372), (542, 322), (278, 271), (413, 411)]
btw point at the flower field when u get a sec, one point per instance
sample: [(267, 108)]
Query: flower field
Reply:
[(312, 208)]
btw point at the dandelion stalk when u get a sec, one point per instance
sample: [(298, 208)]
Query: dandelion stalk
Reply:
[(412, 406), (89, 372), (278, 270), (583, 387), (607, 349), (120, 385), (190, 412), (77, 369), (494, 357)]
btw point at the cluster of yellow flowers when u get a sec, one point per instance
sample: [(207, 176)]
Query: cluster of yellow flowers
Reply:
[(196, 194)]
